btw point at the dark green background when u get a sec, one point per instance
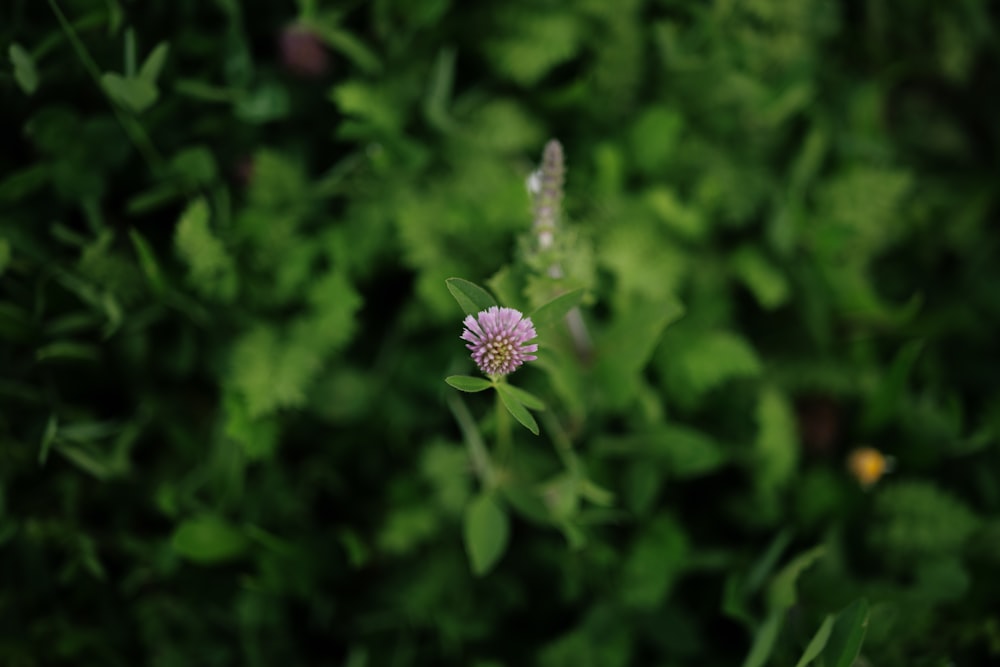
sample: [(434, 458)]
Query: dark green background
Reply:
[(224, 434)]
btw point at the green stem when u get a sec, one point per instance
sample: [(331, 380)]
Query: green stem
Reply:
[(478, 454), (504, 439), (561, 443)]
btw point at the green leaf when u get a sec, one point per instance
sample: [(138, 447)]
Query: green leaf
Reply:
[(776, 448), (886, 399), (147, 261), (817, 643), (528, 399), (351, 47), (272, 370), (516, 408), (68, 350), (781, 594), (211, 270), (761, 277), (134, 94), (526, 50), (654, 136), (266, 102), (86, 461), (689, 453), (472, 298), (487, 531), (208, 539), (5, 254), (695, 361), (439, 91), (681, 451), (763, 641), (626, 347), (48, 437), (847, 635), (467, 383), (24, 68), (553, 311), (654, 563), (153, 64)]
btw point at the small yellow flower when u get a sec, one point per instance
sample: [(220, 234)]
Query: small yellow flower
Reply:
[(868, 465)]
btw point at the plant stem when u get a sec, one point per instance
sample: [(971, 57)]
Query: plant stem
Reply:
[(478, 454), (504, 440)]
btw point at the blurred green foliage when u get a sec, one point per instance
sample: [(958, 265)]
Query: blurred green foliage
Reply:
[(225, 230)]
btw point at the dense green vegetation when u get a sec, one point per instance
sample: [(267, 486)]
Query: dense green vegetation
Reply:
[(225, 234)]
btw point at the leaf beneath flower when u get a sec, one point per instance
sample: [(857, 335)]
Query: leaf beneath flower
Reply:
[(528, 399), (468, 383), (516, 408)]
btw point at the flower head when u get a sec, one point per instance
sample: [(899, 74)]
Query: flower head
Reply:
[(498, 338), (302, 52)]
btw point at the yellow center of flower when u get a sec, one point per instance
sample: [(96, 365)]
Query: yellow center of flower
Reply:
[(499, 352)]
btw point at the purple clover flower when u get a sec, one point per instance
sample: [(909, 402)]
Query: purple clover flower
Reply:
[(303, 52), (498, 338)]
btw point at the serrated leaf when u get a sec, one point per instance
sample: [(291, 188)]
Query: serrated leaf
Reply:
[(847, 635), (516, 408), (272, 371), (817, 643), (471, 298), (211, 270), (487, 530), (208, 539), (467, 383), (553, 311), (25, 72)]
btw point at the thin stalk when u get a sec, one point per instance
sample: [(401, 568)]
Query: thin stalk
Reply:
[(504, 439), (482, 465), (561, 443)]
